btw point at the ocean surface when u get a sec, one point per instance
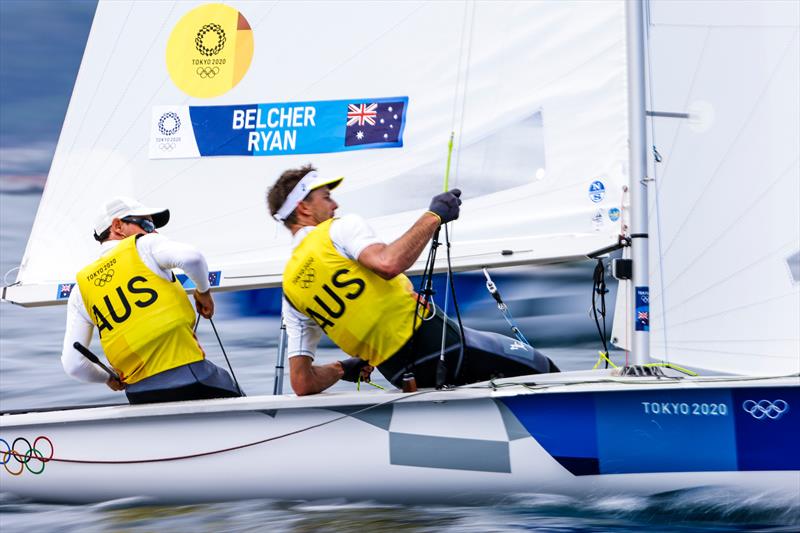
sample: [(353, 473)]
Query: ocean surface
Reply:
[(31, 376)]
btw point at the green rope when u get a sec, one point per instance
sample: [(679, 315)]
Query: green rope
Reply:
[(358, 384), (603, 357), (674, 367), (447, 168)]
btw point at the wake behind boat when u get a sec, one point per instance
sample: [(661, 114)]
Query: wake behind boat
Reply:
[(545, 100)]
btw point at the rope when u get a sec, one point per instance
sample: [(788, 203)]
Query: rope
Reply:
[(674, 367), (219, 340), (599, 287), (358, 384), (603, 356), (455, 307), (237, 447)]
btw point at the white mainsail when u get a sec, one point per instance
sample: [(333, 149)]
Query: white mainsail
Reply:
[(535, 92), (725, 201)]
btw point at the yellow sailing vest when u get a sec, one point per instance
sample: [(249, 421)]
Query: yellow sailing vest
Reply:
[(145, 322), (365, 315)]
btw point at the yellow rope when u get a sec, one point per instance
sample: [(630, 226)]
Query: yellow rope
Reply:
[(674, 367), (603, 357), (358, 384)]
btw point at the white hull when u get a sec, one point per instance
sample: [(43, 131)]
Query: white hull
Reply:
[(437, 446)]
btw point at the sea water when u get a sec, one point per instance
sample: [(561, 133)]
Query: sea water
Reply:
[(31, 376)]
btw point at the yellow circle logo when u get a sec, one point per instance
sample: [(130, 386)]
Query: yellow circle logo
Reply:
[(210, 50)]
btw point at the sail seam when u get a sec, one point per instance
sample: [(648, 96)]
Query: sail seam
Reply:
[(735, 141), (717, 239)]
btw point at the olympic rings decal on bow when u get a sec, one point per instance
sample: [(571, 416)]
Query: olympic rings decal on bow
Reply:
[(765, 408), (32, 456), (207, 72), (104, 278)]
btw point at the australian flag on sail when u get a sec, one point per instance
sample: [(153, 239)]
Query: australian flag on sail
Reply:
[(64, 290), (375, 122)]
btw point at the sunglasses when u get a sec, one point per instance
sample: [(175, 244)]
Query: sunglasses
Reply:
[(146, 224)]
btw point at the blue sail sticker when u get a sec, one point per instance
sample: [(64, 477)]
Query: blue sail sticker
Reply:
[(213, 279), (597, 191), (64, 290), (642, 308), (297, 127)]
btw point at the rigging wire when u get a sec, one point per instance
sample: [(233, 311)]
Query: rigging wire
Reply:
[(219, 340), (656, 183), (459, 89), (504, 310)]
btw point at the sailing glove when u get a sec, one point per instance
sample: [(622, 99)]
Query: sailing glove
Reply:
[(352, 368), (445, 205)]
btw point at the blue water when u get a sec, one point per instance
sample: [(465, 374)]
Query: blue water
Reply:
[(31, 376)]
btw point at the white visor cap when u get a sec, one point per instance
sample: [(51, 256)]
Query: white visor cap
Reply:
[(310, 182), (123, 206)]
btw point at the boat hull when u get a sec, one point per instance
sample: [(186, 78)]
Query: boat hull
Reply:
[(467, 445)]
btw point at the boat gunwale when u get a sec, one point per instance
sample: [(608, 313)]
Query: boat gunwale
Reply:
[(576, 382)]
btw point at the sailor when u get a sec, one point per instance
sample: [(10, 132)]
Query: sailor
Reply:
[(345, 282), (141, 311)]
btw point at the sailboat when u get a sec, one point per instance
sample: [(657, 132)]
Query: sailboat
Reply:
[(576, 125)]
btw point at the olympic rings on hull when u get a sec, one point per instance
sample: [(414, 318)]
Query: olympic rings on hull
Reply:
[(765, 408), (33, 458)]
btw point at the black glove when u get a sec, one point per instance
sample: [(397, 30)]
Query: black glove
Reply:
[(352, 368), (445, 205)]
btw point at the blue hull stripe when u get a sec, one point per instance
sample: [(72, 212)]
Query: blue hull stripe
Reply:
[(705, 430)]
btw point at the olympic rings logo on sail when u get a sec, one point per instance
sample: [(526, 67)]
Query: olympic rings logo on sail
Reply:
[(104, 278), (765, 408), (207, 72), (166, 147), (16, 461)]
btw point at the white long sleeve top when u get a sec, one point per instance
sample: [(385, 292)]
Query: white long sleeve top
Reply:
[(160, 255)]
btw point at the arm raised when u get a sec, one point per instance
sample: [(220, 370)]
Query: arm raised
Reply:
[(389, 260)]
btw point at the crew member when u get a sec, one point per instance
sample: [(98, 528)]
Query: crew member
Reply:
[(343, 281), (141, 311)]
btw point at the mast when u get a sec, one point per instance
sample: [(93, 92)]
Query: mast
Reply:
[(637, 140)]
